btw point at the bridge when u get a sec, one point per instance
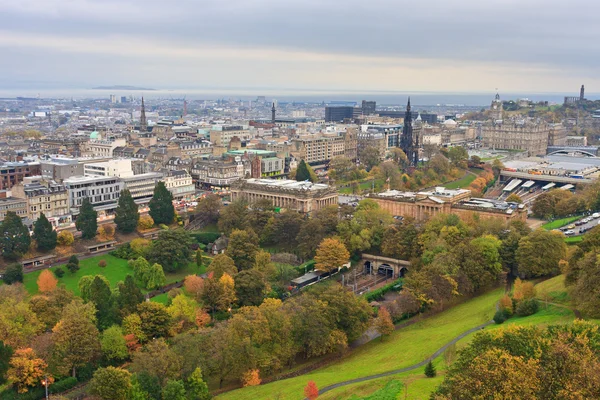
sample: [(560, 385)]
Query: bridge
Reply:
[(544, 178), (388, 267), (589, 151)]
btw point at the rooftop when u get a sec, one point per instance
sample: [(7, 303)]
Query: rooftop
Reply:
[(287, 184)]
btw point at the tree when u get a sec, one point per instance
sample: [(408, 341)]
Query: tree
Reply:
[(209, 206), (106, 232), (263, 263), (242, 248), (227, 294), (199, 254), (172, 250), (26, 369), (46, 281), (129, 296), (233, 216), (137, 392), (197, 389), (497, 166), (13, 273), (157, 360), (161, 205), (331, 254), (65, 238), (539, 253), (111, 383), (101, 296), (113, 344), (283, 229), (156, 277), (369, 156), (87, 221), (43, 233), (250, 287), (145, 222), (384, 323), (222, 264), (183, 312), (458, 155), (311, 392), (75, 336), (251, 378), (193, 285), (514, 198), (155, 319), (401, 241), (14, 237), (127, 215), (6, 352), (303, 172), (174, 390)]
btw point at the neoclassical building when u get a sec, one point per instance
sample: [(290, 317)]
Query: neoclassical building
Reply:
[(304, 197)]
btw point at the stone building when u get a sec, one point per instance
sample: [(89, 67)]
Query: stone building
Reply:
[(16, 205), (45, 197), (519, 135), (319, 148), (557, 135), (303, 197), (12, 173)]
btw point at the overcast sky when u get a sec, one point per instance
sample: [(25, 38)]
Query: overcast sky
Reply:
[(381, 45)]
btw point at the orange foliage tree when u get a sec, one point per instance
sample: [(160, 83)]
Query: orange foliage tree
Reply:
[(26, 370), (251, 378), (202, 318), (311, 392), (46, 281), (193, 285)]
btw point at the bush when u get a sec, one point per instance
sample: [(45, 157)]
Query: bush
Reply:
[(62, 385), (139, 245), (378, 294), (163, 227), (12, 274), (73, 259), (125, 252), (205, 237), (499, 317), (102, 263), (106, 232), (145, 222), (72, 267), (527, 307), (59, 272), (65, 238)]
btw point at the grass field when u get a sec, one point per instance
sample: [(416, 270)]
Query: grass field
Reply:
[(161, 298), (574, 239), (554, 289), (403, 348), (461, 183), (116, 270), (559, 223), (366, 185)]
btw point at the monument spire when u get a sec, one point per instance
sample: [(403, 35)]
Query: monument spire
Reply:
[(143, 121), (273, 113)]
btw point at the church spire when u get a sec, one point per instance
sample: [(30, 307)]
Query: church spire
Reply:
[(143, 121), (273, 113)]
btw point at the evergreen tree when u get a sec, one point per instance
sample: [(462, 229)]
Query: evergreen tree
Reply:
[(101, 296), (129, 296), (87, 222), (199, 254), (196, 387), (303, 172), (6, 353), (430, 370), (14, 237), (44, 234), (127, 215), (73, 264), (13, 273), (161, 205)]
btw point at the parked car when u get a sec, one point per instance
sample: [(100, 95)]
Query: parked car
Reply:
[(572, 226), (580, 222), (570, 232), (596, 215)]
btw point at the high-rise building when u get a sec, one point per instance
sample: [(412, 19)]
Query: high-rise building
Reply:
[(409, 143), (368, 107), (339, 113)]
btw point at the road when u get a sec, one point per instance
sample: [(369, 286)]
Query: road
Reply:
[(579, 230)]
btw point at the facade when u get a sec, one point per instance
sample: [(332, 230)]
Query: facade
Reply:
[(496, 109), (424, 205), (350, 143), (575, 141), (195, 148), (220, 135), (338, 114), (12, 173), (220, 173), (392, 132), (179, 183), (315, 149), (303, 197), (118, 167), (521, 135), (18, 206), (557, 135), (103, 192), (372, 139), (103, 148), (45, 197), (142, 186), (369, 107), (272, 166)]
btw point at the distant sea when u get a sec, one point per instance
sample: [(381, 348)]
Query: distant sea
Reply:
[(287, 95)]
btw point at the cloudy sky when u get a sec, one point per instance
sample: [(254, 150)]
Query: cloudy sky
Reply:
[(354, 45)]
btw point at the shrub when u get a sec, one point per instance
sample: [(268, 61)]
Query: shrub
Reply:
[(499, 317), (145, 222), (125, 252), (163, 227), (506, 305), (73, 259), (12, 274), (378, 294), (527, 307), (63, 384), (59, 272), (102, 263), (139, 245), (106, 232), (205, 237), (65, 238), (72, 267)]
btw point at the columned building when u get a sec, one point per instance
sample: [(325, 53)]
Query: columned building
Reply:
[(304, 197)]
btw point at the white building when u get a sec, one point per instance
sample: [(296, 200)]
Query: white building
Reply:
[(119, 167), (103, 148), (103, 192), (142, 186)]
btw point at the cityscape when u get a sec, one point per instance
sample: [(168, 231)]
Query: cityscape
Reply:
[(263, 200)]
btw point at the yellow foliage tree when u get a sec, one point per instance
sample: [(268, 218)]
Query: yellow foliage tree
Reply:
[(46, 281), (227, 296), (251, 378), (26, 370), (384, 323), (65, 238), (506, 305), (145, 222), (331, 254), (193, 286), (106, 232)]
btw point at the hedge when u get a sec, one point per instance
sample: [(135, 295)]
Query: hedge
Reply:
[(205, 237), (378, 294)]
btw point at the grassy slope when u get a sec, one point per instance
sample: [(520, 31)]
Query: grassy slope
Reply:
[(116, 270), (403, 348), (554, 289), (461, 183), (559, 223)]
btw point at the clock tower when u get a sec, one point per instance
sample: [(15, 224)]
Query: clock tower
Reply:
[(496, 108)]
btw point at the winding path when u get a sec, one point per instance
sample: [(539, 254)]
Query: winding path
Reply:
[(405, 369)]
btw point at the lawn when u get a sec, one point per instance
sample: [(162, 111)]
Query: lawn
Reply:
[(161, 298), (574, 239), (115, 271), (461, 183), (366, 185), (554, 289), (559, 223), (403, 348)]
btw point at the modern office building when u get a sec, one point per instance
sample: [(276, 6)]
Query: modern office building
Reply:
[(12, 173), (338, 113), (103, 192), (369, 107), (142, 186)]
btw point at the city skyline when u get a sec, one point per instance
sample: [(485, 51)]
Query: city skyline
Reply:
[(351, 46)]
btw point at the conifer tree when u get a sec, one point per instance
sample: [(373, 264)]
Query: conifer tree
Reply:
[(161, 205), (430, 370), (303, 173), (14, 237), (87, 222), (44, 234), (127, 214)]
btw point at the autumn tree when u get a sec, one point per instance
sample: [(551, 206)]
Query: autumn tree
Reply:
[(183, 312), (26, 369), (157, 360), (44, 234), (227, 296), (384, 323), (113, 344), (242, 248), (208, 207), (75, 336), (263, 263), (65, 238), (251, 378), (161, 206), (258, 215), (155, 319), (145, 222), (14, 237), (331, 254), (18, 322), (233, 216), (87, 221), (46, 281), (540, 252), (250, 287), (369, 156), (193, 285), (197, 389), (514, 198), (127, 215), (222, 264), (311, 392), (111, 383)]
